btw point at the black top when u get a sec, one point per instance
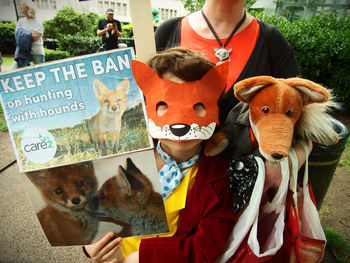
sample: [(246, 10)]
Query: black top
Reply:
[(272, 56), (110, 39)]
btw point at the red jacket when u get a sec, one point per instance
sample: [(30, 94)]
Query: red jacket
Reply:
[(204, 224)]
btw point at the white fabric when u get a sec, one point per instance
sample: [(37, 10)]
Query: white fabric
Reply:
[(313, 228), (30, 25), (276, 206)]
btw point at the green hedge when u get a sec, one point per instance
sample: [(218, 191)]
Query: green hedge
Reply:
[(322, 48), (78, 45), (51, 55), (7, 38)]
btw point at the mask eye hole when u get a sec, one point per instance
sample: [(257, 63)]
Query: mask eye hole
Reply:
[(162, 107), (199, 109)]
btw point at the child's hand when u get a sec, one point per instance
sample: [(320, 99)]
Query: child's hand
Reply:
[(132, 258), (36, 35), (103, 249)]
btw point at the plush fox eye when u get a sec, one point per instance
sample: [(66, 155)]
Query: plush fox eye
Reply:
[(289, 112), (265, 110), (79, 184), (58, 191), (162, 107), (106, 101), (199, 109)]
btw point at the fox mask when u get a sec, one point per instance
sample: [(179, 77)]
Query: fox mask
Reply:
[(180, 121)]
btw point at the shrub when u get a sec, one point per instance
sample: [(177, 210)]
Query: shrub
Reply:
[(322, 48), (69, 22), (127, 30), (79, 45), (51, 55), (7, 38)]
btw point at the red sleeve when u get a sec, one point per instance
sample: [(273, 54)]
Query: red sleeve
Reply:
[(206, 240)]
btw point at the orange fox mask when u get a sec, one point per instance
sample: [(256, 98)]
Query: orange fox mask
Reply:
[(180, 120)]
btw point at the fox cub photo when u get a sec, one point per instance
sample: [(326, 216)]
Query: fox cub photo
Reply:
[(105, 126), (66, 190), (130, 200)]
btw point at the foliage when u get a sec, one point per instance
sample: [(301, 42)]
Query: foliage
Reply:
[(69, 22), (345, 159), (3, 126), (193, 5), (79, 45), (7, 61), (338, 244), (51, 55), (128, 31), (249, 3), (7, 38), (93, 18), (322, 48)]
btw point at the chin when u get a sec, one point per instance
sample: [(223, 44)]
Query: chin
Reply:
[(180, 145)]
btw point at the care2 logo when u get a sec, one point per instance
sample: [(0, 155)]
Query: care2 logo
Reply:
[(38, 145)]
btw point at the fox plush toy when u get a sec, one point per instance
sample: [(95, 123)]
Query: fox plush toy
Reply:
[(107, 122), (279, 110)]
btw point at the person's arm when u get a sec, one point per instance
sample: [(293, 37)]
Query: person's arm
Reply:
[(101, 30), (119, 29)]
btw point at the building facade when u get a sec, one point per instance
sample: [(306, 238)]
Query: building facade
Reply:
[(47, 9)]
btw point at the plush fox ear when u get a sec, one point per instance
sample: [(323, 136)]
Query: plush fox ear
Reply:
[(144, 75), (99, 88), (247, 88), (310, 91)]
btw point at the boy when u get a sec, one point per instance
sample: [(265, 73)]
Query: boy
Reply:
[(181, 90)]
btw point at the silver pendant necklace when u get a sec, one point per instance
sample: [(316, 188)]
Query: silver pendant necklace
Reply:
[(222, 53)]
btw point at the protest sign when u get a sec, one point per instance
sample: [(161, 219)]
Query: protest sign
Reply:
[(65, 118), (74, 110)]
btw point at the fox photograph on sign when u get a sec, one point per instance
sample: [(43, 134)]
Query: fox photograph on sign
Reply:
[(80, 137), (74, 110)]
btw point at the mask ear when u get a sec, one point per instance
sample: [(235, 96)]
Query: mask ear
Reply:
[(216, 78), (144, 75), (310, 91), (247, 88)]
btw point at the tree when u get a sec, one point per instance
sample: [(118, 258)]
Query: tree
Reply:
[(194, 5), (69, 22)]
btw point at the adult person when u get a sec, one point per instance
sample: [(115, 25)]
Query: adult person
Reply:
[(222, 30), (110, 29), (194, 187), (28, 35)]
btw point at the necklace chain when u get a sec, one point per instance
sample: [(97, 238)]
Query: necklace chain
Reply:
[(222, 53)]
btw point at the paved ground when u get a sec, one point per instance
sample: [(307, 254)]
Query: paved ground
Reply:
[(21, 237)]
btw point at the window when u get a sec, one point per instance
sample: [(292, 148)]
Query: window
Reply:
[(119, 12), (53, 4), (124, 10)]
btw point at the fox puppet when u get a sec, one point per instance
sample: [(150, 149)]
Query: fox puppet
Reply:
[(105, 126)]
